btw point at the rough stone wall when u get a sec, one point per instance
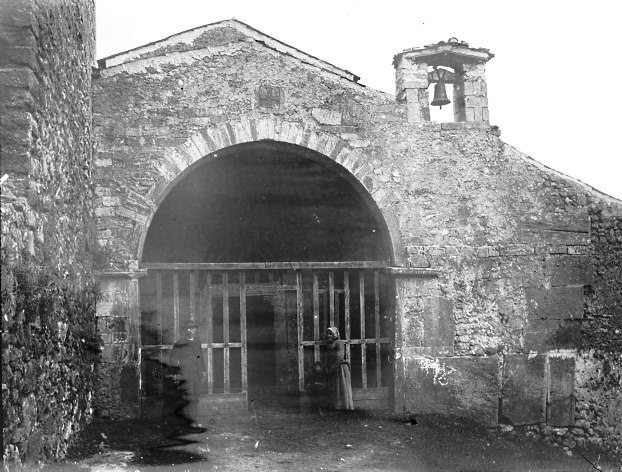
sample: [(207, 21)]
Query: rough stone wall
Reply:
[(599, 367), (510, 238), (46, 55)]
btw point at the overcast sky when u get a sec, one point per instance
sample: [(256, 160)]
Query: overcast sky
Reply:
[(553, 85)]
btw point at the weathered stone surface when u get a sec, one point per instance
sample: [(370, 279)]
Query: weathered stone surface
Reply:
[(598, 397), (46, 53), (556, 303), (438, 325), (453, 385), (524, 389), (542, 335), (570, 270), (561, 403)]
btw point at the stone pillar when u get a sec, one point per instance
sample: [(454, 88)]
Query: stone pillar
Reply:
[(118, 320), (473, 94), (411, 81)]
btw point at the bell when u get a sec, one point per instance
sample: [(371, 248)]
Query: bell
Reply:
[(440, 95)]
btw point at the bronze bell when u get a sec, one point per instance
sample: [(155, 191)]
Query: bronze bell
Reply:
[(440, 95)]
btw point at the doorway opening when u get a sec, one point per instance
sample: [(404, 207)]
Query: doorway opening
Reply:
[(264, 247)]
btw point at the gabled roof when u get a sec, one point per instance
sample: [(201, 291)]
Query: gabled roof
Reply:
[(190, 35)]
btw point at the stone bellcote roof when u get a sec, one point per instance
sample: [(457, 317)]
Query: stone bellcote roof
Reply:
[(450, 52)]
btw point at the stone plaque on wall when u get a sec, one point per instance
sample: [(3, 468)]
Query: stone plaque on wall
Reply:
[(269, 96), (557, 303), (466, 386), (544, 335), (438, 325), (560, 407), (523, 400)]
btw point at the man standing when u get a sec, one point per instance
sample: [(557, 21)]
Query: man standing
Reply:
[(188, 363)]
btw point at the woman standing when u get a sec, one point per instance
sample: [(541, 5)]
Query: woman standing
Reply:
[(337, 369)]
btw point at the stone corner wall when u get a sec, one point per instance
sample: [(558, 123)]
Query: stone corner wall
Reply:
[(599, 364), (49, 338)]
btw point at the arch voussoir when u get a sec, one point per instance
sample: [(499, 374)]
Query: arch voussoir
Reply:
[(176, 160), (328, 144), (203, 145), (225, 134), (246, 129), (189, 152), (215, 134)]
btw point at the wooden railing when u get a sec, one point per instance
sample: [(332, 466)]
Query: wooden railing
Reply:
[(330, 304)]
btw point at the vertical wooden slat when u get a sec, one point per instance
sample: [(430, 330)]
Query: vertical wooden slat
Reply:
[(192, 286), (346, 309), (281, 356), (159, 308), (299, 321), (175, 306), (159, 335), (377, 320), (244, 365), (362, 316), (225, 328), (316, 318), (161, 382), (210, 333), (331, 297)]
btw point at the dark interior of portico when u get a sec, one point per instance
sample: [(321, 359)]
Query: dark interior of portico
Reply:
[(266, 202)]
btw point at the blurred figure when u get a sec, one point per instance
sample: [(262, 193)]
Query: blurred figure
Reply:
[(317, 387), (188, 369)]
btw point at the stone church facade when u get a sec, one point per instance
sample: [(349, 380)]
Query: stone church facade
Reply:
[(266, 194)]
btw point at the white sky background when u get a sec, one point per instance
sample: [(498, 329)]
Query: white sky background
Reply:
[(553, 85)]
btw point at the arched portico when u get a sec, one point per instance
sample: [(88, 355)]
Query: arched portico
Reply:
[(212, 141), (264, 245)]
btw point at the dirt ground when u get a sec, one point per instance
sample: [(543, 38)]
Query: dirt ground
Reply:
[(291, 439)]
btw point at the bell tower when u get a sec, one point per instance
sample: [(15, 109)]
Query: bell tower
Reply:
[(447, 62)]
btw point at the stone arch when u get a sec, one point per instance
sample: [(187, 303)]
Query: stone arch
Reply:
[(211, 140)]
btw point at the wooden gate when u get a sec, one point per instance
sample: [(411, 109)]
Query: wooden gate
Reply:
[(279, 313)]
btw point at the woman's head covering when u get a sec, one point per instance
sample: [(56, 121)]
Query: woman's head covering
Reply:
[(333, 330)]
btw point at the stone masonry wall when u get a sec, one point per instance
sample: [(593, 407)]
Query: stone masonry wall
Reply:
[(510, 238), (599, 368), (48, 338), (148, 109)]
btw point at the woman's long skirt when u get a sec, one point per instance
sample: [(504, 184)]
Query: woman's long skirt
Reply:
[(340, 388)]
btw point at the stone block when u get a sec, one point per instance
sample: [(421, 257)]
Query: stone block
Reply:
[(570, 270), (556, 229), (326, 117), (551, 249), (465, 386), (516, 250), (580, 250), (560, 404), (131, 215), (524, 389), (556, 303), (544, 335), (438, 324)]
